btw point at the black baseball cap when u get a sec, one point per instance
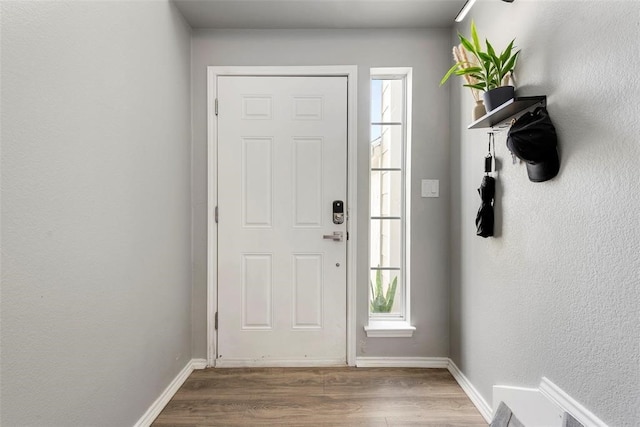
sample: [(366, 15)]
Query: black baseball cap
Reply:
[(533, 139)]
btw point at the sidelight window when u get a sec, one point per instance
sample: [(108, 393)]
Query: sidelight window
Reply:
[(389, 307)]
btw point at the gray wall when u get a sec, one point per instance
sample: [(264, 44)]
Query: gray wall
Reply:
[(96, 272), (556, 294), (428, 52)]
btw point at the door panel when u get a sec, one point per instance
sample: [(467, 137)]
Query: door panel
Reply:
[(307, 182), (257, 194), (282, 156), (308, 290)]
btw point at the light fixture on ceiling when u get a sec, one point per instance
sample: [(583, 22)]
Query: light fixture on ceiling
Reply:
[(465, 9)]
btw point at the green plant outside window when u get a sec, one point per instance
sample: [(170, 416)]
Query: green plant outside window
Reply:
[(381, 301)]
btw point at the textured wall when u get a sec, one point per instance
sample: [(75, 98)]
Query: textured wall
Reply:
[(556, 294), (427, 52), (95, 210)]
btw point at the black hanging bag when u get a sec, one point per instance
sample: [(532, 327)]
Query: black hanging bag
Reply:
[(533, 139)]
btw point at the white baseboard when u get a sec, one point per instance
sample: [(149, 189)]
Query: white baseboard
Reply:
[(199, 363), (157, 406), (543, 406), (473, 394), (402, 362), (529, 406), (559, 397)]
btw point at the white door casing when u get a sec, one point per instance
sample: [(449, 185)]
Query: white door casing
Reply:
[(282, 158)]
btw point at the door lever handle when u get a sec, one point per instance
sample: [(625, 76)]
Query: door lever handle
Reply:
[(336, 236)]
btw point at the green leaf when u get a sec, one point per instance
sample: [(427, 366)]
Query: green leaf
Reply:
[(474, 36), (507, 52), (391, 293), (484, 57), (470, 70), (467, 45), (388, 294), (490, 50), (511, 64), (378, 305), (379, 283), (372, 295), (449, 73)]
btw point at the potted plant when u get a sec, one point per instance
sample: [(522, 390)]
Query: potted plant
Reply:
[(382, 302), (489, 71)]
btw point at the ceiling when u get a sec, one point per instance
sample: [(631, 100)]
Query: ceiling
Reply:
[(311, 14)]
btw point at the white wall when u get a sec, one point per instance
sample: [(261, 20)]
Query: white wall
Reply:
[(95, 209), (556, 294), (427, 52)]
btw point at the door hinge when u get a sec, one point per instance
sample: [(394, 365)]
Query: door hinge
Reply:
[(215, 321), (215, 214), (347, 235), (216, 106)]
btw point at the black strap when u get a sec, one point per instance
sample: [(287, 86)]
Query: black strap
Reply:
[(491, 154)]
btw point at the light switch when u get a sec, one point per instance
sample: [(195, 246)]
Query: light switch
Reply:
[(430, 188)]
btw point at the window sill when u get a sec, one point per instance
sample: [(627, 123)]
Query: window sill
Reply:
[(389, 329)]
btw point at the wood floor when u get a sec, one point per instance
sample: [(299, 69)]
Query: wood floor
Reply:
[(320, 397)]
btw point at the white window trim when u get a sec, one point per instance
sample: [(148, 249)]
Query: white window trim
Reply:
[(389, 329), (400, 327)]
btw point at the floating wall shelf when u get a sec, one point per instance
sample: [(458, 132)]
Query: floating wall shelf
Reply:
[(508, 110)]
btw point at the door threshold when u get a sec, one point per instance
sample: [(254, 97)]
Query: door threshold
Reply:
[(280, 363)]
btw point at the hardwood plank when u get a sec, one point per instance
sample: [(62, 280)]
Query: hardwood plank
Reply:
[(320, 397)]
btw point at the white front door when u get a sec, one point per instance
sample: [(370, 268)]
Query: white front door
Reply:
[(282, 162)]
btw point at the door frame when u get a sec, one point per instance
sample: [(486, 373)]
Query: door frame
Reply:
[(213, 72)]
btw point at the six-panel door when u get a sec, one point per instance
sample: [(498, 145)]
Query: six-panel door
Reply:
[(282, 159)]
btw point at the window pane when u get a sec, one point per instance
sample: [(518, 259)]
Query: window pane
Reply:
[(386, 148), (387, 199), (386, 193), (385, 242), (381, 301), (376, 100), (387, 100)]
